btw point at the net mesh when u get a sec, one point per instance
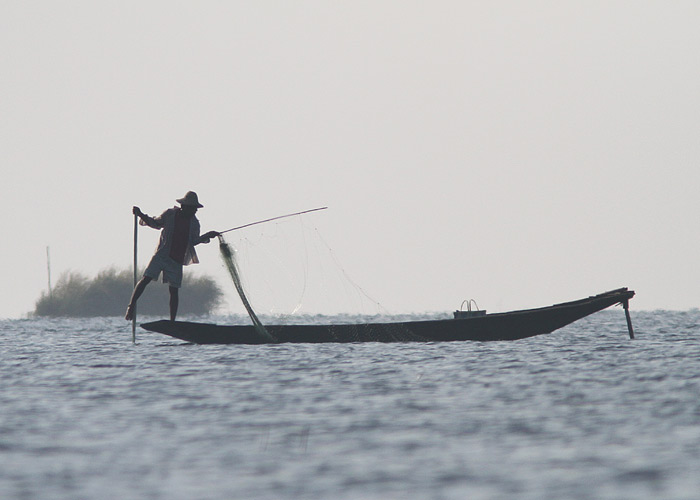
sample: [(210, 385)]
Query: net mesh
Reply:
[(344, 328)]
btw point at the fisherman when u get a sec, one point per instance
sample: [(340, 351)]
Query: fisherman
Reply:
[(178, 237)]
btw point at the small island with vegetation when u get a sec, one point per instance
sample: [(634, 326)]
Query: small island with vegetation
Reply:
[(108, 294)]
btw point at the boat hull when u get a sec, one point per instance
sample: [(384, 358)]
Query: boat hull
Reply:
[(488, 327)]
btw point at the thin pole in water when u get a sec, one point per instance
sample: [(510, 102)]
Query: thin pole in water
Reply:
[(48, 269), (273, 218), (626, 306), (136, 235)]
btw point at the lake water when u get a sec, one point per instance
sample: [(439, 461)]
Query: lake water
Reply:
[(582, 413)]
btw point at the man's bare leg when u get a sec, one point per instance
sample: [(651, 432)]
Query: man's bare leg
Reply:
[(138, 290), (174, 301)]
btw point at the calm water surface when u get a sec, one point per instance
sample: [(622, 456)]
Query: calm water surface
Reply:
[(582, 413)]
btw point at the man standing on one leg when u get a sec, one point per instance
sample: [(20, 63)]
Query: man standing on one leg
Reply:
[(178, 237)]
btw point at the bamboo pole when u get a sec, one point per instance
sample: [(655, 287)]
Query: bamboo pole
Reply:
[(136, 234), (273, 218)]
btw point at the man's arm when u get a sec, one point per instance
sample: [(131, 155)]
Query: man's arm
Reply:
[(207, 236), (154, 222)]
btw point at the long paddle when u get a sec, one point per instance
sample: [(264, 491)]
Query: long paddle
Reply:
[(273, 218), (136, 235)]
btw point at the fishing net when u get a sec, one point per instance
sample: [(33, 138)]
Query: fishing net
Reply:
[(229, 259), (291, 273), (289, 269)]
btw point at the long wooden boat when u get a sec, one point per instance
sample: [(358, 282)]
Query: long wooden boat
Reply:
[(476, 326)]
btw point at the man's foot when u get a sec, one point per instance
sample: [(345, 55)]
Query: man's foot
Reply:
[(129, 313)]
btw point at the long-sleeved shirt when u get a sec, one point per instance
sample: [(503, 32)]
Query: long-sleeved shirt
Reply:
[(166, 222)]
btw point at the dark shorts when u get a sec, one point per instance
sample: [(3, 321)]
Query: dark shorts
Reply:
[(172, 271)]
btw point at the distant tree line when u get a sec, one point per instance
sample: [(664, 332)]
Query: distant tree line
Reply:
[(109, 292)]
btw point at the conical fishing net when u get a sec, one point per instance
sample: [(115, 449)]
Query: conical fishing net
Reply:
[(229, 259)]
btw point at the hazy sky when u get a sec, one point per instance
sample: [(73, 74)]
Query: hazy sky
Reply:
[(518, 153)]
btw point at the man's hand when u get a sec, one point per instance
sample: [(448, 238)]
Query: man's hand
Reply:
[(137, 211), (211, 234)]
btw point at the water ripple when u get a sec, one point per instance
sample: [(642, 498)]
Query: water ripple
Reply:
[(582, 413)]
